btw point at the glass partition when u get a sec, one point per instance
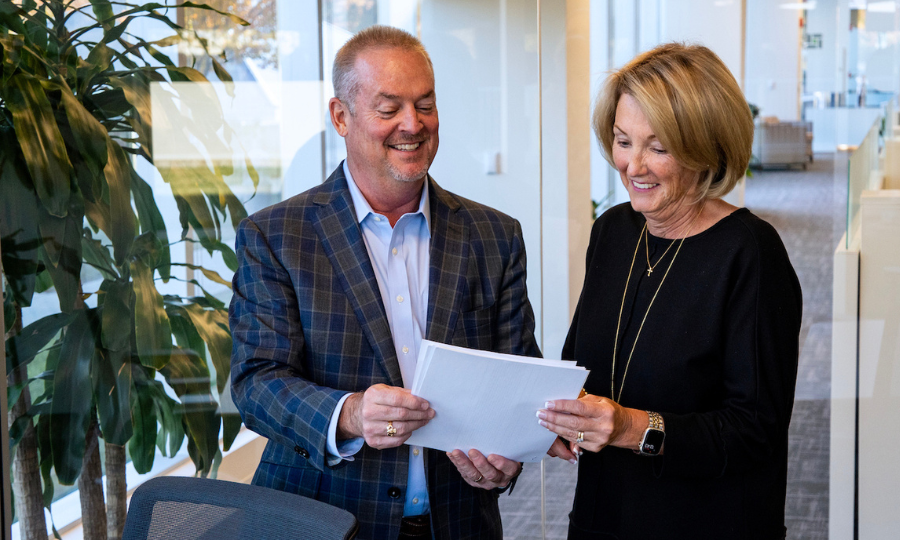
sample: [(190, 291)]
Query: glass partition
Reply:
[(862, 164)]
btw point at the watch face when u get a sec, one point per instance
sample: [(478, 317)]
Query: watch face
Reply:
[(653, 441)]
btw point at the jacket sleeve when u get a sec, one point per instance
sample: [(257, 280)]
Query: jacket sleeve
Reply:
[(268, 384)]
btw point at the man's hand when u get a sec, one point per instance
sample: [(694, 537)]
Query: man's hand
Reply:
[(485, 472), (366, 414)]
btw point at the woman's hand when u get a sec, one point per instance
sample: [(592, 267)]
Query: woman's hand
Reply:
[(563, 449), (602, 422)]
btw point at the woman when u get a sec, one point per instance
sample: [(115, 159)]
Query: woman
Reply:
[(688, 321)]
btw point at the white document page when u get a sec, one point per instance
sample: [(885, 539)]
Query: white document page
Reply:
[(487, 401)]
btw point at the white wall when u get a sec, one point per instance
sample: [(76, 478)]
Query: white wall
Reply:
[(713, 23), (485, 55), (824, 65), (773, 59), (878, 49), (620, 29), (485, 61)]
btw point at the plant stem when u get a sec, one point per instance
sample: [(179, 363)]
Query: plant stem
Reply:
[(26, 467), (116, 491), (90, 487)]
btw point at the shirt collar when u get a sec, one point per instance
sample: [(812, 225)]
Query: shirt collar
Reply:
[(363, 208)]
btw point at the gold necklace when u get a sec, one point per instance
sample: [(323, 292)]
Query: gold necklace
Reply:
[(646, 236), (612, 377)]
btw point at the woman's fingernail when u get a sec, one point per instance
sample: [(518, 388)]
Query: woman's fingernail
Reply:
[(541, 414), (542, 423), (549, 405), (573, 461)]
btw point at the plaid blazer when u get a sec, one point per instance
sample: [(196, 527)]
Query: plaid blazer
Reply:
[(309, 326)]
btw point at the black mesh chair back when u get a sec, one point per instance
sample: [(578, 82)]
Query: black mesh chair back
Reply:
[(179, 508)]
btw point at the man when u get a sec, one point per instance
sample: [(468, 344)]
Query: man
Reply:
[(336, 288)]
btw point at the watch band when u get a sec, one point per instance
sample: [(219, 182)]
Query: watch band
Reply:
[(654, 436)]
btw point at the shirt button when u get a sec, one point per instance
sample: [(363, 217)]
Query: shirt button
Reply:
[(377, 218), (416, 501), (415, 451), (406, 350), (394, 251), (399, 298), (394, 493)]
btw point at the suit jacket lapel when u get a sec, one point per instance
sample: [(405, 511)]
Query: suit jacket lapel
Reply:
[(449, 257), (343, 244)]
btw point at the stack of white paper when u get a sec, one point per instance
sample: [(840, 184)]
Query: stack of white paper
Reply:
[(487, 401)]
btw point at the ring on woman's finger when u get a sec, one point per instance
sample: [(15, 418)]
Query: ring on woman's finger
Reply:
[(579, 438), (390, 430)]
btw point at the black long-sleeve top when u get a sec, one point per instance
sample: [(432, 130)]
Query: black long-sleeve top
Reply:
[(717, 358)]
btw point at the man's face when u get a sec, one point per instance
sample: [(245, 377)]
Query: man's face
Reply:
[(393, 134)]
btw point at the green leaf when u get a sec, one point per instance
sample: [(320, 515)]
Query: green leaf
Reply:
[(41, 141), (10, 17), (116, 317), (136, 90), (22, 348), (152, 222), (43, 282), (45, 449), (152, 329), (71, 405), (89, 137), (118, 177), (97, 255), (111, 377), (111, 103), (234, 18), (170, 419), (142, 445), (254, 174), (228, 255), (211, 275), (20, 236), (17, 430), (212, 325), (188, 375), (102, 10), (9, 312), (63, 242), (99, 60), (186, 335), (148, 248), (231, 426)]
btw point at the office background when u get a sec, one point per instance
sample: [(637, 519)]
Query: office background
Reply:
[(515, 81)]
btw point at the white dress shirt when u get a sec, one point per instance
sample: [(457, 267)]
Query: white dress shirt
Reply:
[(400, 257)]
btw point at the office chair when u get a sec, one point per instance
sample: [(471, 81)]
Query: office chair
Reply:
[(179, 508)]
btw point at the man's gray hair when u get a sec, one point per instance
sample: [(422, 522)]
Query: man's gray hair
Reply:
[(344, 76)]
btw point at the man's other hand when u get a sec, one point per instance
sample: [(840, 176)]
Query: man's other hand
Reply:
[(488, 472), (368, 415)]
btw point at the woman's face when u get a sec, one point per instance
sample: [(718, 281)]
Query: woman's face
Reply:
[(659, 186)]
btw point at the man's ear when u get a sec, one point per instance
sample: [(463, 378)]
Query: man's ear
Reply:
[(339, 113)]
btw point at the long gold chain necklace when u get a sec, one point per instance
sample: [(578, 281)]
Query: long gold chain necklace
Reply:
[(612, 377)]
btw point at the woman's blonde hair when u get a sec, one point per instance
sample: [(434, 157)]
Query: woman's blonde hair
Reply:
[(695, 108)]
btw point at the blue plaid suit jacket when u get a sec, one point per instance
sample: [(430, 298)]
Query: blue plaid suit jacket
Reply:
[(309, 326)]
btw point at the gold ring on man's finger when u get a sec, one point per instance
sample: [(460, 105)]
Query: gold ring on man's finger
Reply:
[(579, 438), (390, 430)]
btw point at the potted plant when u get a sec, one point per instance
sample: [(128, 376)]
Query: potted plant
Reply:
[(74, 116)]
